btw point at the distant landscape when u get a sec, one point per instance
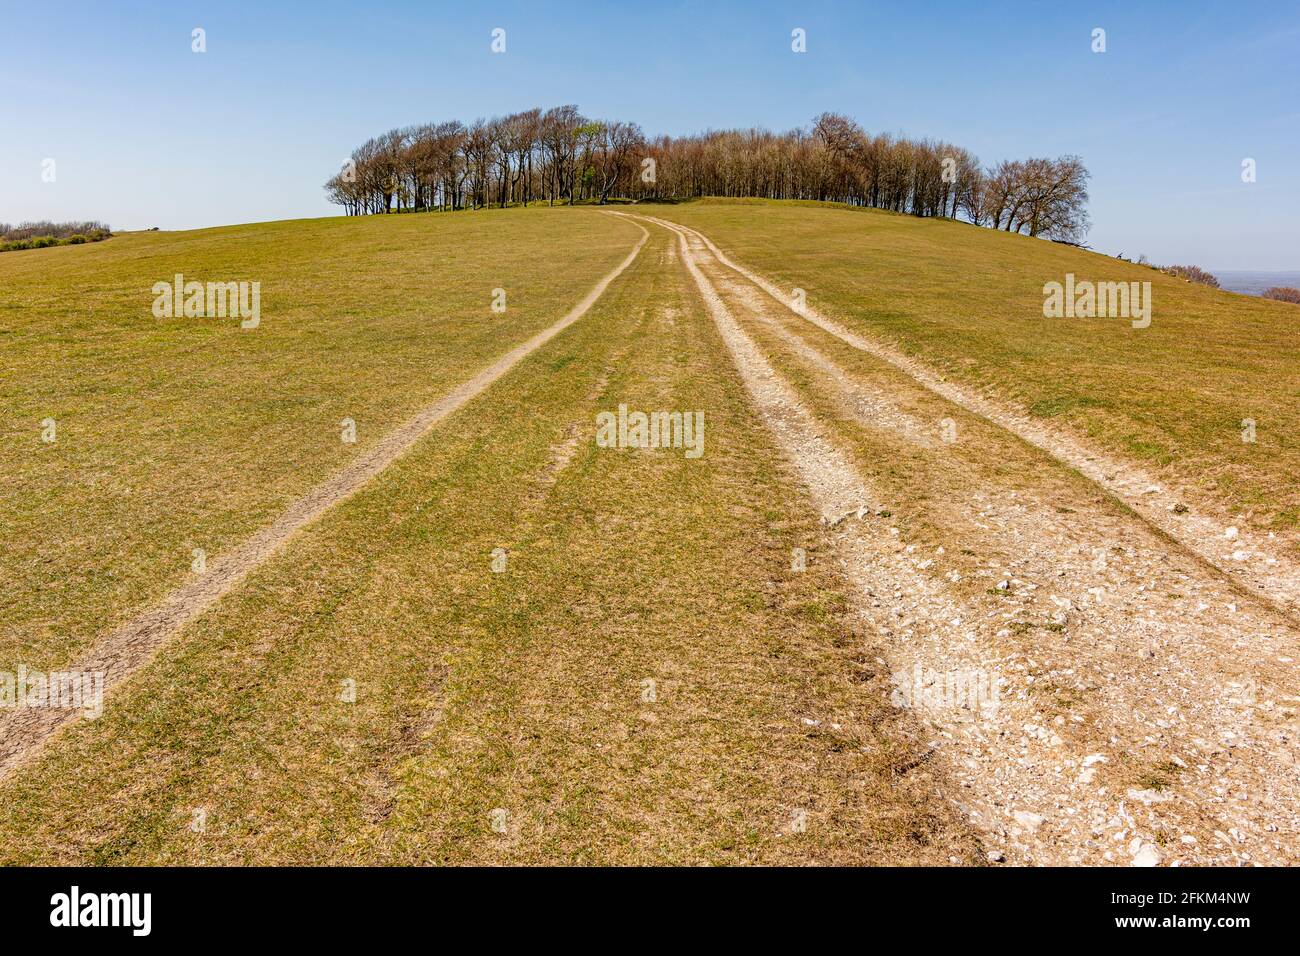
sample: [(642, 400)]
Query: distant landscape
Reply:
[(1256, 283)]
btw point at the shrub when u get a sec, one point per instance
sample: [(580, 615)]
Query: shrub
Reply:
[(1192, 274), (57, 230), (41, 235), (1283, 294)]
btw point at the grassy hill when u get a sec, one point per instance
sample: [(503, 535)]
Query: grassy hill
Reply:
[(514, 645), (969, 302), (187, 433), (645, 678)]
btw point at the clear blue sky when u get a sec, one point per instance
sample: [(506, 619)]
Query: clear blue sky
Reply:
[(144, 132)]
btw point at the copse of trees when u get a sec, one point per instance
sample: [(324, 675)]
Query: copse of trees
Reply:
[(55, 230), (559, 155), (39, 235)]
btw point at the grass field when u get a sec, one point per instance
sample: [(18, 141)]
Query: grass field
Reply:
[(969, 302), (523, 691), (183, 434), (514, 645)]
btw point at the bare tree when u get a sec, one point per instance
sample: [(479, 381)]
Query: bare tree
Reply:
[(1055, 195), (559, 155), (611, 146)]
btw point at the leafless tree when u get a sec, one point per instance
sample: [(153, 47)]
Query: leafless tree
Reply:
[(561, 156)]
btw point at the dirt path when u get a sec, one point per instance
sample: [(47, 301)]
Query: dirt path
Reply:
[(1195, 525), (1135, 706), (24, 731)]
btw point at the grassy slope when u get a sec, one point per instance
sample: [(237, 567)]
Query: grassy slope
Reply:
[(969, 301), (522, 690), (189, 433)]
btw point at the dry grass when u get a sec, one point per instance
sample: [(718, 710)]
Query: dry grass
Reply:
[(190, 433), (969, 302), (522, 691)]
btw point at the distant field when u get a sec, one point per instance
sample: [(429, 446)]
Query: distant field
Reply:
[(188, 433), (969, 302)]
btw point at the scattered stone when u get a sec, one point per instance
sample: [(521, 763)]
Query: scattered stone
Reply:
[(1147, 855), (1148, 797), (1031, 821)]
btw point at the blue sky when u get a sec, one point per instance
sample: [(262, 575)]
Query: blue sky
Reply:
[(144, 132)]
